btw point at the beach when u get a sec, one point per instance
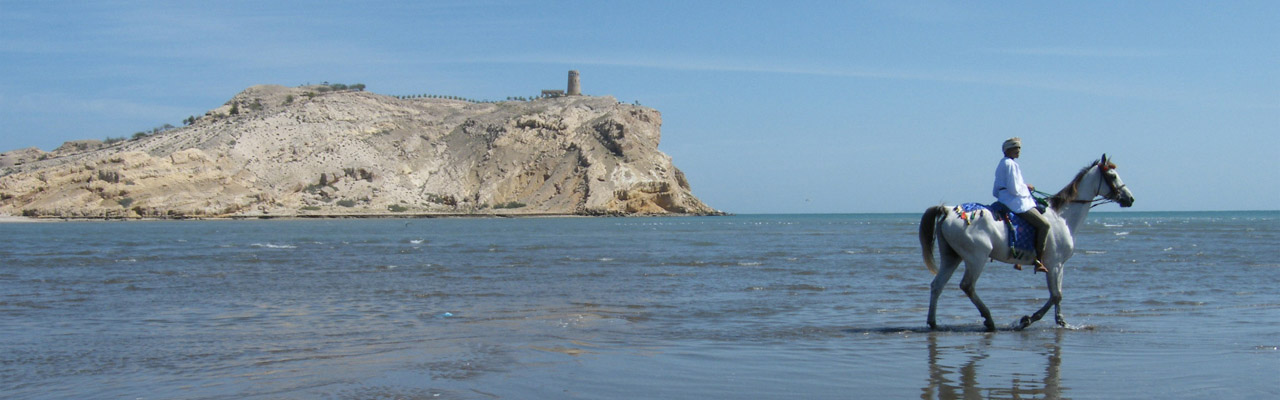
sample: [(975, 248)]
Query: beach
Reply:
[(12, 219)]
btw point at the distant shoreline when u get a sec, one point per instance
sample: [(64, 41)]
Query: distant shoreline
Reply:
[(22, 219)]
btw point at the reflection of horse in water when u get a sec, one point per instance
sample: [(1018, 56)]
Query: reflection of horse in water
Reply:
[(968, 380), (981, 237)]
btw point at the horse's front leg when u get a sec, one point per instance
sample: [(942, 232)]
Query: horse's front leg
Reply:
[(1057, 305), (1055, 298), (1027, 320)]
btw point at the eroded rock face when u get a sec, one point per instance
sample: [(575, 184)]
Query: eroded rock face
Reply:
[(277, 151)]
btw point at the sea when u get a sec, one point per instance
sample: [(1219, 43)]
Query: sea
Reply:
[(1158, 305)]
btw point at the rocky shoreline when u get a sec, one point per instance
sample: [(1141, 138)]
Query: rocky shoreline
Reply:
[(276, 152)]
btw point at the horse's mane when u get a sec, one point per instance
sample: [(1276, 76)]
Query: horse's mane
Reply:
[(1069, 193)]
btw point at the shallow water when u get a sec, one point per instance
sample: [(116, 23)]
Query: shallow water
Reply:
[(1177, 305)]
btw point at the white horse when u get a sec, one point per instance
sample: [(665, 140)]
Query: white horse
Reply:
[(976, 238)]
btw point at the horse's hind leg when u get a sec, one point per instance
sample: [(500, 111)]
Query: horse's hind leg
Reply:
[(949, 262), (972, 270)]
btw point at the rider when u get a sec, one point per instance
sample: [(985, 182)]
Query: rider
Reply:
[(1010, 190)]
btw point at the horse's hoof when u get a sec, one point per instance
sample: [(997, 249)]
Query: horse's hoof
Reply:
[(1023, 323)]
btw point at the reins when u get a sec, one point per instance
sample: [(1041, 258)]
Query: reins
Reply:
[(1094, 202)]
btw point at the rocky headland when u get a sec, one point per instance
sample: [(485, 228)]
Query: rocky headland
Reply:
[(275, 151)]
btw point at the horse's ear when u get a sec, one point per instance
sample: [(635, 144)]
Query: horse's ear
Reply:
[(1104, 159)]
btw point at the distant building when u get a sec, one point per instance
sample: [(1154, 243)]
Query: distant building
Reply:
[(574, 89)]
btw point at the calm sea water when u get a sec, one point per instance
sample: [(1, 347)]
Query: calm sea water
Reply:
[(1161, 305)]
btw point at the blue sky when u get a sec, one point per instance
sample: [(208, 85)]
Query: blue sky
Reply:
[(768, 107)]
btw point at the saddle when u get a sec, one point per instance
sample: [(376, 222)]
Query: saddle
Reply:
[(1022, 235)]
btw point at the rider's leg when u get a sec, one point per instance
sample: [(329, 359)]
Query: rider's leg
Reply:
[(1038, 220)]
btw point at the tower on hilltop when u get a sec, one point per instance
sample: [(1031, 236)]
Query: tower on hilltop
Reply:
[(575, 88)]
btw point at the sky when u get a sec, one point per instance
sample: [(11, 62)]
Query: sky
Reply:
[(768, 107)]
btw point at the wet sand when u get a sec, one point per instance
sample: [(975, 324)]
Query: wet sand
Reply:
[(15, 219)]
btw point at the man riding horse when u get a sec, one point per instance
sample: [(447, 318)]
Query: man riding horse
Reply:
[(1013, 192), (976, 234)]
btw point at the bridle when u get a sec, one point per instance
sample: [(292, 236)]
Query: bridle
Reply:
[(1114, 195)]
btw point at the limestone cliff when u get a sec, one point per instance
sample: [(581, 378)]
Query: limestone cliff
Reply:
[(278, 151)]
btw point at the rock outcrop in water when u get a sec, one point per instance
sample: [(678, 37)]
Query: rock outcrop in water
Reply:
[(278, 151)]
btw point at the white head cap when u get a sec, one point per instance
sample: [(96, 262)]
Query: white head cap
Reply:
[(1011, 143)]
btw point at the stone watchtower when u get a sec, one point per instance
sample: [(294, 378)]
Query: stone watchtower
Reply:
[(575, 89)]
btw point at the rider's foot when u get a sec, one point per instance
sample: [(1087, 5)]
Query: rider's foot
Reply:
[(1017, 266), (1040, 267)]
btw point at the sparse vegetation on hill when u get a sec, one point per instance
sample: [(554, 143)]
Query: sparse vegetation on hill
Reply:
[(326, 87), (510, 204), (154, 131)]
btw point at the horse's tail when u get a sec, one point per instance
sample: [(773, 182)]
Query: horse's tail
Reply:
[(928, 223)]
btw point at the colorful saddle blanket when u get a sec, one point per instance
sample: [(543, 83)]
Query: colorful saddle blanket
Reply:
[(1022, 235)]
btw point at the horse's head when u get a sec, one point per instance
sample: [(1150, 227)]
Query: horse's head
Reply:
[(1097, 179), (1110, 186)]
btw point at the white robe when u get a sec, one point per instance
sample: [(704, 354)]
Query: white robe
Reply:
[(1009, 187)]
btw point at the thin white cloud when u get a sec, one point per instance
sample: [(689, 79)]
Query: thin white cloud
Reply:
[(1094, 52), (990, 78)]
